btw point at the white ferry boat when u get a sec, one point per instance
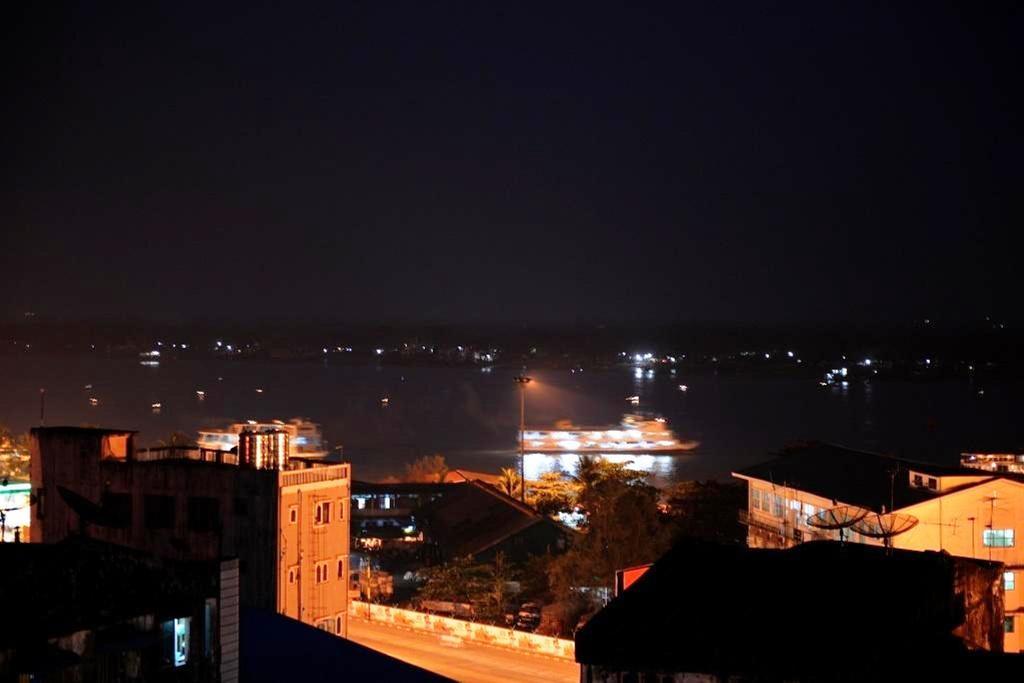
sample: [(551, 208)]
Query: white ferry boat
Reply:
[(636, 434)]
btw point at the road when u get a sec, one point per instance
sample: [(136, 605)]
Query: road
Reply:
[(468, 661)]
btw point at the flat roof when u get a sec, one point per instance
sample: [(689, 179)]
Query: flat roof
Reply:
[(854, 477)]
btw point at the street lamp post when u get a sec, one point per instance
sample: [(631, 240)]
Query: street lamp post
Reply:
[(522, 381)]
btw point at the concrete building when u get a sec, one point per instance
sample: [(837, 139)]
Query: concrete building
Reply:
[(963, 512), (821, 611), (83, 610), (289, 528)]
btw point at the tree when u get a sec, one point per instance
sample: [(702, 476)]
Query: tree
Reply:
[(622, 527), (509, 482), (484, 586), (553, 493), (706, 509), (428, 469)]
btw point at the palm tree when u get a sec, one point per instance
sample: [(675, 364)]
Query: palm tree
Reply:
[(509, 482)]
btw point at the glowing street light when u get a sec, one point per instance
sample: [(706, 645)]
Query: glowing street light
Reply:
[(522, 381)]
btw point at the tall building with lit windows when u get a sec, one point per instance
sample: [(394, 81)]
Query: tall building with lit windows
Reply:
[(285, 521), (960, 511)]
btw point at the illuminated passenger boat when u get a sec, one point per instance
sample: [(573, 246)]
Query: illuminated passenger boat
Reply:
[(636, 434)]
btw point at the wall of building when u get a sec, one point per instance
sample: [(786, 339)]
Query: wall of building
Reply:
[(956, 523), (315, 591), (467, 630)]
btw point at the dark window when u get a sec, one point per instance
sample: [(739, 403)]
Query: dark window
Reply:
[(933, 483), (203, 513), (117, 509), (40, 503), (1008, 625), (241, 507), (338, 628), (341, 569), (159, 512), (918, 480)]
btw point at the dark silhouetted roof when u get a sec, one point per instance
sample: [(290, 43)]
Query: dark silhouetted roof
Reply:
[(276, 648), (859, 478), (472, 517), (57, 588), (818, 607)]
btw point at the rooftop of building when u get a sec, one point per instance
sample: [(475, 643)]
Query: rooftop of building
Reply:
[(58, 588), (81, 430), (473, 516), (277, 648), (869, 480), (817, 607)]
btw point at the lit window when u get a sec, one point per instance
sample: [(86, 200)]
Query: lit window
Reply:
[(777, 506), (361, 503), (997, 538), (794, 505), (1009, 581), (175, 636), (755, 499)]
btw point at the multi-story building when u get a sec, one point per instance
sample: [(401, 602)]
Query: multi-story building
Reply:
[(821, 611), (288, 527), (84, 610), (963, 512)]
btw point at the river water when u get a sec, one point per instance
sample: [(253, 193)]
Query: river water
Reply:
[(471, 416)]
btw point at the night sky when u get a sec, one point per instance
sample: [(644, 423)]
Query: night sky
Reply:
[(544, 162)]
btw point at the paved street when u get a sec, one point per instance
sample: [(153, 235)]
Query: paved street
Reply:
[(464, 662)]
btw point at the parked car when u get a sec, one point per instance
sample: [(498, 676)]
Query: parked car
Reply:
[(528, 618)]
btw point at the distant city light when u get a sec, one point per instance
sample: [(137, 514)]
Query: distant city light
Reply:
[(380, 352), (790, 354), (683, 387)]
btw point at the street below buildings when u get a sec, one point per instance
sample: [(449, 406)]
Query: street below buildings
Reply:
[(461, 660)]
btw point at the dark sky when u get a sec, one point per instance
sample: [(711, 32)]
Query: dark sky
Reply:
[(533, 162)]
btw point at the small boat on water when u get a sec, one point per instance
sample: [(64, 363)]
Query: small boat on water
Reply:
[(635, 434)]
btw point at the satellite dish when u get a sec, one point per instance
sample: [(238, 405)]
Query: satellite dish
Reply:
[(885, 525), (837, 518)]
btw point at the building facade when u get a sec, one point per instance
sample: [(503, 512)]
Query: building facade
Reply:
[(963, 512), (287, 527)]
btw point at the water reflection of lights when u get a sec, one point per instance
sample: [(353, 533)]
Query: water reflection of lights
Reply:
[(660, 466)]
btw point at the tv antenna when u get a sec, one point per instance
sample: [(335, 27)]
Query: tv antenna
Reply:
[(885, 525), (838, 518)]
